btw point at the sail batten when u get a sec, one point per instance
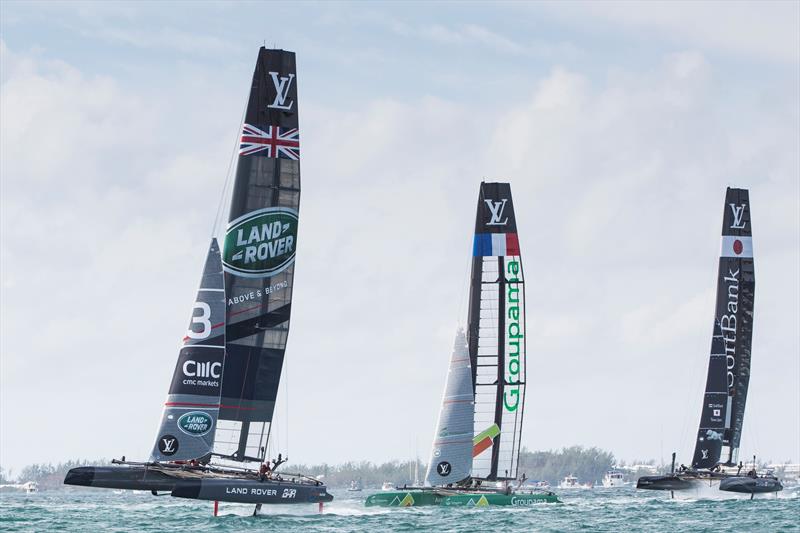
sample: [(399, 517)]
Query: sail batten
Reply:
[(722, 415)]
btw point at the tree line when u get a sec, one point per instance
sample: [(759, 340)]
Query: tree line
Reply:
[(587, 464)]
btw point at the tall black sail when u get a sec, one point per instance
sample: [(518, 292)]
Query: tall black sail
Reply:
[(729, 367), (496, 335), (258, 258)]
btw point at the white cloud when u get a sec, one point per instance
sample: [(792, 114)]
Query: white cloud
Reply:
[(93, 247), (475, 35), (165, 37), (762, 30)]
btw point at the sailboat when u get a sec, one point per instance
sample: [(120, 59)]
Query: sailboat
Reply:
[(212, 438), (722, 415), (474, 458)]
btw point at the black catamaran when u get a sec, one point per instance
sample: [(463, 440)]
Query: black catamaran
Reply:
[(722, 416), (212, 440), (475, 453)]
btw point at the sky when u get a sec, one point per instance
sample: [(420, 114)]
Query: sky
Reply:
[(618, 125)]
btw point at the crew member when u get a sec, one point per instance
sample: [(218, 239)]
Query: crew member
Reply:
[(264, 472)]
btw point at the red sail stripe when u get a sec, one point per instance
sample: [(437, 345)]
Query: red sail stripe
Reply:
[(210, 405), (481, 447), (512, 244)]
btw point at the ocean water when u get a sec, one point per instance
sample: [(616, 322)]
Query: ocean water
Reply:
[(622, 509)]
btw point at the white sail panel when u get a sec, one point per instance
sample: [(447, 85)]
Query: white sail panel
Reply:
[(514, 371), (486, 371), (451, 454)]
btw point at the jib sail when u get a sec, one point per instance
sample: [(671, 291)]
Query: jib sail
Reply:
[(258, 258), (729, 367), (191, 411), (451, 456), (496, 335)]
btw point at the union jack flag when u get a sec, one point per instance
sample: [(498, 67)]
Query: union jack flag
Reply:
[(278, 142)]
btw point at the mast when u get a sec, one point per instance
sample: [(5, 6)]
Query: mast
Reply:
[(722, 415), (188, 424), (496, 335), (258, 258)]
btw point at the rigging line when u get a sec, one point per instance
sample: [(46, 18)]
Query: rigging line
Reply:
[(465, 286), (222, 196), (261, 450), (689, 413), (286, 402)]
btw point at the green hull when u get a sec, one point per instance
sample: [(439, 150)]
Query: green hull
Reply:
[(405, 498), (416, 498), (478, 499)]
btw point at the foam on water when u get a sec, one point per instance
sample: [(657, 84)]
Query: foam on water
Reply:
[(593, 510)]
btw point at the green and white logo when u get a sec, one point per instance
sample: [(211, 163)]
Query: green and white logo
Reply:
[(196, 423), (261, 243)]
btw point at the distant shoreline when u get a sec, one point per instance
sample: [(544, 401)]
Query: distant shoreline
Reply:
[(589, 465)]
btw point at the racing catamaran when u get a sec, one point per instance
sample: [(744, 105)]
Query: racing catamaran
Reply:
[(212, 439), (475, 453), (722, 415)]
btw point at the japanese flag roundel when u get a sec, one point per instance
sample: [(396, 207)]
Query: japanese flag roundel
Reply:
[(735, 246)]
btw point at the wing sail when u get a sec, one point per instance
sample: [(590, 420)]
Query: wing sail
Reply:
[(496, 335), (729, 366), (258, 258)]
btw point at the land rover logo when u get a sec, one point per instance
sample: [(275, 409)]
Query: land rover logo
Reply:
[(261, 243), (167, 444), (443, 468), (196, 423)]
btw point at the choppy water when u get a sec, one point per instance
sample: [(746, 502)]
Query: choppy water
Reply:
[(591, 510)]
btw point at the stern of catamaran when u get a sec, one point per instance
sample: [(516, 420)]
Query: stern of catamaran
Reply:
[(120, 477)]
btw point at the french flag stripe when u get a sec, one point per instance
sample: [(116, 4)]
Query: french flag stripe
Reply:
[(482, 244), (498, 244), (512, 244), (495, 244)]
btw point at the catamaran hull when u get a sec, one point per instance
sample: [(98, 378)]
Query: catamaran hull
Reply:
[(709, 487), (749, 485), (251, 491), (417, 498), (665, 483), (120, 477), (224, 490), (404, 498), (495, 499)]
